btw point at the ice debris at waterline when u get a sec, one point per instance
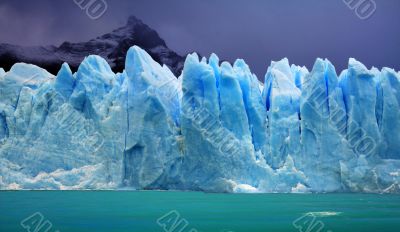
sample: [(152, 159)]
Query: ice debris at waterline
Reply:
[(215, 128)]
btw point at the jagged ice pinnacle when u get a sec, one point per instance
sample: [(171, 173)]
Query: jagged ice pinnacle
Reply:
[(215, 128)]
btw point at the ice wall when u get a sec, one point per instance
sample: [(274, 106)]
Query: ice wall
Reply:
[(215, 128)]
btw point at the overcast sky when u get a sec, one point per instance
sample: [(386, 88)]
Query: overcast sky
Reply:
[(257, 30)]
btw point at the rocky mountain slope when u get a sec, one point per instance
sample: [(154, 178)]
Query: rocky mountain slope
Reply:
[(112, 47)]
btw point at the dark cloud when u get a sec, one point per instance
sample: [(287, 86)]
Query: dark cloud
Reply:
[(258, 31)]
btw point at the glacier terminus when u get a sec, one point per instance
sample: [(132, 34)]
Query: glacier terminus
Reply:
[(214, 128)]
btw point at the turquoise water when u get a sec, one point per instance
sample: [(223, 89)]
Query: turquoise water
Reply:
[(139, 211)]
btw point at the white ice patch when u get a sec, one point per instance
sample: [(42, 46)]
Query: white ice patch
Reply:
[(300, 188), (245, 188)]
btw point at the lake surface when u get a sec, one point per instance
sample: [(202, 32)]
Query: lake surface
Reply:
[(191, 211)]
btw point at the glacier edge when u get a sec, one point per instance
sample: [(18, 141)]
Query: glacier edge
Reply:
[(215, 128)]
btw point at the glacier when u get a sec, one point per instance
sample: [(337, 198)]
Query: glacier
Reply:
[(214, 128)]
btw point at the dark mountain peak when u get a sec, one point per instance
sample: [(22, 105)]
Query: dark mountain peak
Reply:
[(111, 46), (135, 32), (132, 20)]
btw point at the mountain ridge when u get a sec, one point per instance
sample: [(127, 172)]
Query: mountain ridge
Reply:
[(111, 46)]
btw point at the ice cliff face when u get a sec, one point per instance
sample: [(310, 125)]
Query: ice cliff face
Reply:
[(215, 128)]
